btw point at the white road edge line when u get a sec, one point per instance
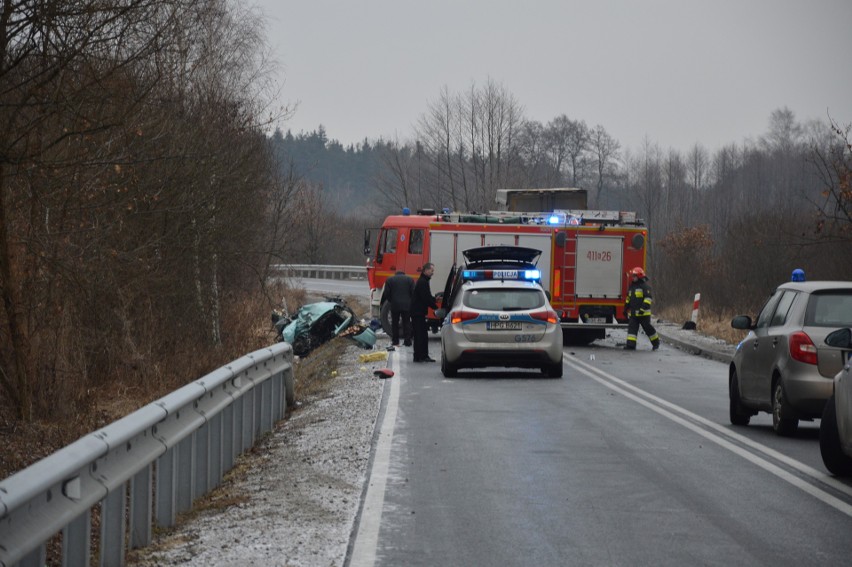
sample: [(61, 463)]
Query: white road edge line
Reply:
[(610, 382), (367, 537)]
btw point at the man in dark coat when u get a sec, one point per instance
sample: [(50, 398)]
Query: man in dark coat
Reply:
[(637, 308), (399, 289), (420, 304)]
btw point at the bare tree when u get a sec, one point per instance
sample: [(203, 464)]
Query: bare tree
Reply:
[(568, 143), (397, 180), (833, 166), (471, 141), (698, 165), (132, 179), (675, 194), (647, 189), (605, 153)]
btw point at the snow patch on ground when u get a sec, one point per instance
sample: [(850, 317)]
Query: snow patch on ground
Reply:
[(296, 497)]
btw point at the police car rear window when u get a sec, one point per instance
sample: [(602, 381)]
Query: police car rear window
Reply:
[(487, 299)]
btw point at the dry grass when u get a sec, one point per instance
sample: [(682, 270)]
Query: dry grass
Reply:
[(711, 323), (246, 326)]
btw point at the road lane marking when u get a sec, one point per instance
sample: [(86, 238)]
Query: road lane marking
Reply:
[(654, 403), (367, 536)]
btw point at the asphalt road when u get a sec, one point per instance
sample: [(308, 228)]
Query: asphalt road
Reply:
[(627, 460)]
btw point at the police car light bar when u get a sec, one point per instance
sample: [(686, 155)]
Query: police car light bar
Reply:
[(527, 275)]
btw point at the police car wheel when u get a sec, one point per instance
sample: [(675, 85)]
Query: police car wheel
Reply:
[(447, 369), (553, 371)]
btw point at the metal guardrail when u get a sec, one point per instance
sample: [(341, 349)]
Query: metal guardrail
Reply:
[(322, 271), (145, 468)]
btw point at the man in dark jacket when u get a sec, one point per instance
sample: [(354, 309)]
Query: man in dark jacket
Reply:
[(399, 289), (638, 308), (420, 304)]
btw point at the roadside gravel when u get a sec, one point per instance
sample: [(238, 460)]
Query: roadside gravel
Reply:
[(293, 500)]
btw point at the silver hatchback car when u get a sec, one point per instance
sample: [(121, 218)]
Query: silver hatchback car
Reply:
[(503, 322), (784, 366)]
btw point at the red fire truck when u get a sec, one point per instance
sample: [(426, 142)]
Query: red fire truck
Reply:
[(585, 257)]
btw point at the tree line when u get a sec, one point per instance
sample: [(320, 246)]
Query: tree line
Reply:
[(730, 224), (139, 201)]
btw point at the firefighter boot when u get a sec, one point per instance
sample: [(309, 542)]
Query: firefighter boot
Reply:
[(655, 345)]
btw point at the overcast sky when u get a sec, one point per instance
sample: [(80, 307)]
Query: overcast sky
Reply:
[(675, 71)]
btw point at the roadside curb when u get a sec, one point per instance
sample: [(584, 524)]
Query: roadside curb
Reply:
[(694, 349), (693, 343)]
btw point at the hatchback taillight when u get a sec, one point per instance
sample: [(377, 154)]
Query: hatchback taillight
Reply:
[(802, 348), (550, 316), (459, 316)]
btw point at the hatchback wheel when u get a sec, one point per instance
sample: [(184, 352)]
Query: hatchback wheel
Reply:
[(553, 371), (447, 369), (836, 461), (783, 426), (738, 413)]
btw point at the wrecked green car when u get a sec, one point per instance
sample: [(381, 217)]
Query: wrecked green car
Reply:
[(318, 323)]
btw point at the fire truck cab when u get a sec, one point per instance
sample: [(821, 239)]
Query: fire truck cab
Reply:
[(585, 257)]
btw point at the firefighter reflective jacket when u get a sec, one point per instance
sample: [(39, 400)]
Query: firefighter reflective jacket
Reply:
[(639, 298)]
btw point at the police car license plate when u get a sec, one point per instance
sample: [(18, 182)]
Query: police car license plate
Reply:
[(503, 325)]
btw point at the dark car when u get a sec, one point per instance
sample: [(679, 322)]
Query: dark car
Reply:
[(784, 366)]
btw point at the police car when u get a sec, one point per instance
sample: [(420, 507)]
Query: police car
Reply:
[(498, 315)]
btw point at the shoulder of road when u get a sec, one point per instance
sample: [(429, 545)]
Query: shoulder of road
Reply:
[(694, 342)]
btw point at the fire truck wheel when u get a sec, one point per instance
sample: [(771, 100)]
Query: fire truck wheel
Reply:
[(385, 318), (581, 337)]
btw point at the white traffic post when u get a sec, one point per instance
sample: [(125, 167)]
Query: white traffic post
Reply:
[(694, 317)]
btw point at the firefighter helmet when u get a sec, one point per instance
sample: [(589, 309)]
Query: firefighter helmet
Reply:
[(638, 272)]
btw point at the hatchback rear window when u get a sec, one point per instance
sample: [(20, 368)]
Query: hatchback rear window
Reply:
[(498, 299), (832, 309)]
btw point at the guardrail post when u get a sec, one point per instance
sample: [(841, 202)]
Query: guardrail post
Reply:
[(37, 558), (166, 508), (140, 508), (185, 473), (229, 437), (112, 528), (216, 442), (202, 461), (248, 420), (76, 541)]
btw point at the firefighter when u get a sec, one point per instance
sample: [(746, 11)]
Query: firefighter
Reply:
[(637, 309)]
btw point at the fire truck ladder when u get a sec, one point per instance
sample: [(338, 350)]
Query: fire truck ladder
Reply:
[(569, 258)]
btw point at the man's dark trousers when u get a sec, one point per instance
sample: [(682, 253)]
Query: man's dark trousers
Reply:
[(395, 325), (421, 337)]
